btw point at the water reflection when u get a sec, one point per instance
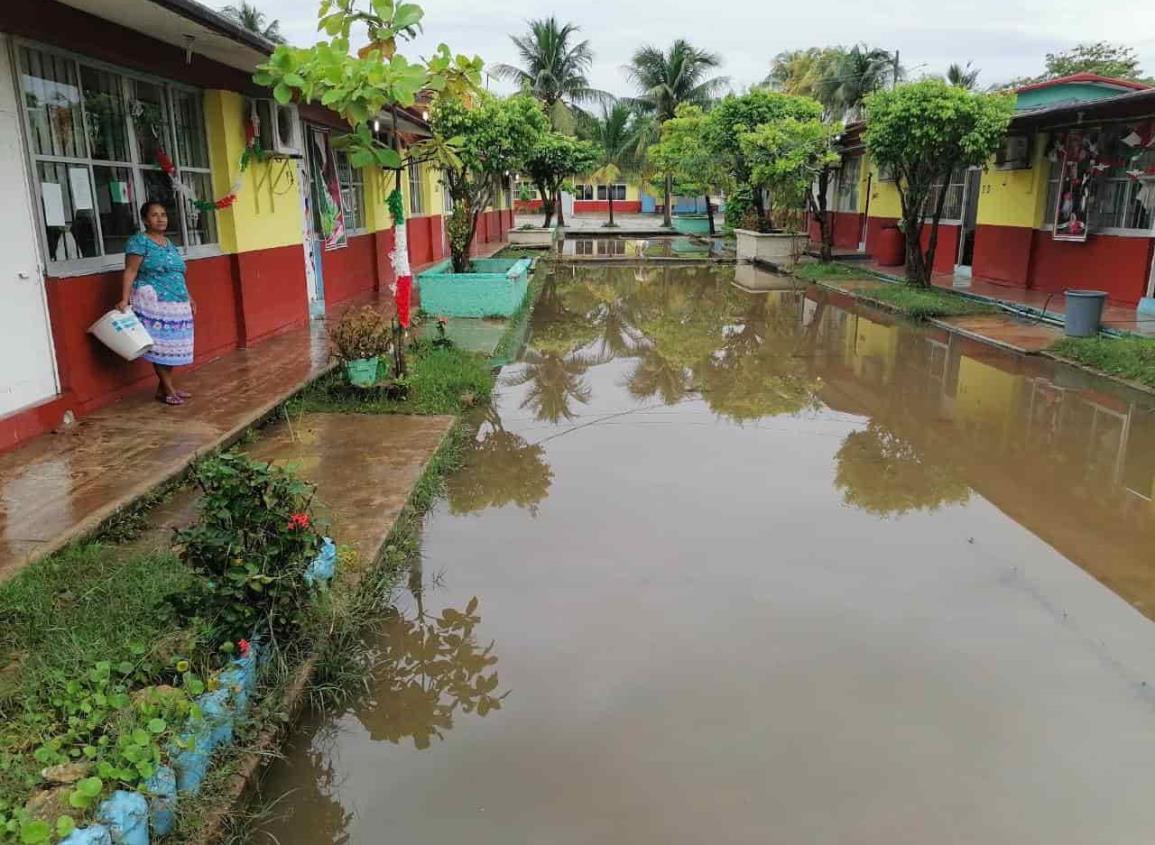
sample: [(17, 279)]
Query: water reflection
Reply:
[(501, 468), (430, 667)]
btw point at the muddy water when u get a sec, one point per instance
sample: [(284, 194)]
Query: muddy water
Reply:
[(763, 569)]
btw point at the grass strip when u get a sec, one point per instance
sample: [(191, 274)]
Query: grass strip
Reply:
[(1131, 358), (926, 303), (819, 271)]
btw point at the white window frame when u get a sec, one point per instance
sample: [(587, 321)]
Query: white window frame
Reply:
[(847, 189), (1050, 198), (416, 189), (354, 185), (580, 188), (109, 261), (603, 192), (957, 187)]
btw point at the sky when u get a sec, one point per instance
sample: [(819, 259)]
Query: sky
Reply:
[(1004, 38)]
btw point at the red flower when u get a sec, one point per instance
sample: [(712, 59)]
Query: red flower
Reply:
[(298, 521), (244, 646)]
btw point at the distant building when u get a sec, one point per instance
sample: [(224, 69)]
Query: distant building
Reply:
[(999, 222)]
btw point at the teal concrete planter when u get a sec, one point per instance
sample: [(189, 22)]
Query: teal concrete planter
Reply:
[(495, 287), (692, 224)]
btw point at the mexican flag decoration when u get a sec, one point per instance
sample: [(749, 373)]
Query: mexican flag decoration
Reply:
[(402, 286)]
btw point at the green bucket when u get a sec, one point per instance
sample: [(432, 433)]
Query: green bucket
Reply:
[(362, 372)]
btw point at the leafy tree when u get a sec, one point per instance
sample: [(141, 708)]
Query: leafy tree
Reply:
[(885, 475), (554, 159), (727, 122), (683, 154), (922, 132), (1117, 61), (792, 160), (484, 141), (962, 77), (553, 69), (803, 72), (253, 19), (851, 76), (666, 79), (616, 138)]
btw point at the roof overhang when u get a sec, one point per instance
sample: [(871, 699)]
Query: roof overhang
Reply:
[(186, 24), (1124, 107)]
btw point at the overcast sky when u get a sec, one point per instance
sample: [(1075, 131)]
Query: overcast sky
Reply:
[(1005, 38)]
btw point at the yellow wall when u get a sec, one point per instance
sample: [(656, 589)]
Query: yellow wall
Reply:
[(884, 201), (986, 396), (267, 212), (874, 351), (1015, 197)]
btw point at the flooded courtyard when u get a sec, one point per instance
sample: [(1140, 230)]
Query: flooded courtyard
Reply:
[(761, 568)]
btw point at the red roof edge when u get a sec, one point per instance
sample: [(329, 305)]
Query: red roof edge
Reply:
[(1130, 84)]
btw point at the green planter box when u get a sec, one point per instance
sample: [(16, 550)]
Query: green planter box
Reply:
[(692, 224), (495, 287)]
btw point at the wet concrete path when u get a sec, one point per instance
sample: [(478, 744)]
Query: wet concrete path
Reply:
[(763, 568)]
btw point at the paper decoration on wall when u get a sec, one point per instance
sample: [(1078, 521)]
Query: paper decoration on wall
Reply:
[(53, 199), (81, 188), (1076, 187)]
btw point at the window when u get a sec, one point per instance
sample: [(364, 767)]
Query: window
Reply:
[(416, 190), (526, 191), (619, 192), (1117, 200), (583, 192), (94, 136), (351, 181), (446, 199), (847, 197), (952, 206)]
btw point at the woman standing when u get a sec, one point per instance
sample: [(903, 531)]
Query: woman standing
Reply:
[(154, 286)]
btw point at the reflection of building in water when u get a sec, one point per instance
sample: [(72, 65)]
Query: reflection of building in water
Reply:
[(1070, 457)]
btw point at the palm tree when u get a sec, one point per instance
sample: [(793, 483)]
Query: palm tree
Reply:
[(667, 79), (553, 69), (802, 72), (962, 77), (615, 133), (253, 19), (852, 76)]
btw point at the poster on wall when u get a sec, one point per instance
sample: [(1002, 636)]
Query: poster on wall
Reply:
[(327, 190), (1076, 187)]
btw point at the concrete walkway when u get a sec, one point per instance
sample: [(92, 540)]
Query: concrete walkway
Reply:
[(58, 487), (1049, 305)]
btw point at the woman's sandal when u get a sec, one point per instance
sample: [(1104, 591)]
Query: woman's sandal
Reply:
[(172, 399)]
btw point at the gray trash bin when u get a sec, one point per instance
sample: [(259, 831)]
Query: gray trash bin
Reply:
[(1084, 312)]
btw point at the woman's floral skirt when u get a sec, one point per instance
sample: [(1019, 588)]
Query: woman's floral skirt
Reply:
[(169, 323)]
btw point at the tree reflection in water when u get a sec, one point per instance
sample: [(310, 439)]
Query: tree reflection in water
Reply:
[(430, 667), (500, 469), (886, 475)]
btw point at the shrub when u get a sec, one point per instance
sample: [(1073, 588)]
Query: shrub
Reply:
[(361, 334), (250, 547)]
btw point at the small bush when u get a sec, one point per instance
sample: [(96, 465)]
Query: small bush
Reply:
[(250, 548), (1130, 357), (361, 334)]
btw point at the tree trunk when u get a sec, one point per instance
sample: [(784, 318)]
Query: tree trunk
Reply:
[(546, 203), (610, 194), (559, 206), (932, 241), (710, 214), (916, 273), (825, 227), (667, 220), (759, 208)]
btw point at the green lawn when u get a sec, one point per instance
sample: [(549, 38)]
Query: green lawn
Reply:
[(927, 303), (817, 271), (1127, 357)]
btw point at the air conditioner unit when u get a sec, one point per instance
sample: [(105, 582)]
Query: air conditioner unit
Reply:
[(1014, 154), (279, 128)]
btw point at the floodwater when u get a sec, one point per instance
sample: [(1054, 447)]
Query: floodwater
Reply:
[(763, 568), (634, 248)]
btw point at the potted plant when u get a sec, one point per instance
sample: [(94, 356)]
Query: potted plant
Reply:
[(358, 339)]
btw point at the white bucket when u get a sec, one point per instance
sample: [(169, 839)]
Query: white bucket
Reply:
[(123, 333)]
